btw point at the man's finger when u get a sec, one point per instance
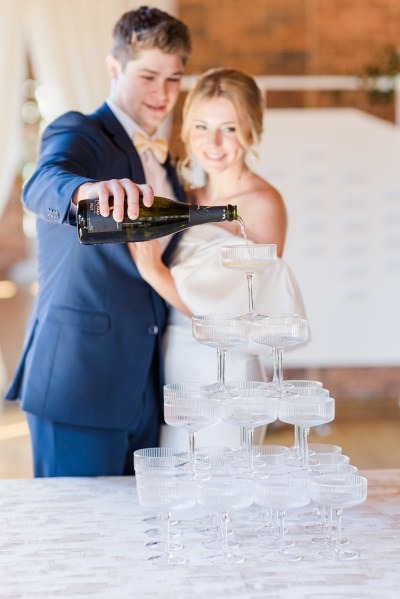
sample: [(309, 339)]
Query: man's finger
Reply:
[(132, 195), (103, 195), (119, 200), (148, 194)]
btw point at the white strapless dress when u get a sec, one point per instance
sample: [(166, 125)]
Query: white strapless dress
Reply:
[(207, 287)]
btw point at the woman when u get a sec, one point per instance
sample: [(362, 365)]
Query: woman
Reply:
[(222, 124)]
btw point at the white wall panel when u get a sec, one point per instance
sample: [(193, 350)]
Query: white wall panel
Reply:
[(339, 172)]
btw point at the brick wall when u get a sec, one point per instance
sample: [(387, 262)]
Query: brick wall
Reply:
[(291, 37), (295, 37)]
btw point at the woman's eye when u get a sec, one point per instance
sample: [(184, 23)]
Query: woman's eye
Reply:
[(199, 127), (230, 129)]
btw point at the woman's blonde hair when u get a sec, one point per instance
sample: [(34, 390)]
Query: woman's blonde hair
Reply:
[(243, 94)]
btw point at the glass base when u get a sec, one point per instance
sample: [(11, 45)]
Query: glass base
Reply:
[(340, 556), (168, 560), (158, 532), (217, 544), (159, 545), (285, 556), (219, 391), (229, 559)]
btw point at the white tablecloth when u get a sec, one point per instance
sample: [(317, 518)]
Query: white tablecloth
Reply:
[(84, 537)]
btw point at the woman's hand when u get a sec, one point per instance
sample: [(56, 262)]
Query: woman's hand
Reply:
[(147, 257)]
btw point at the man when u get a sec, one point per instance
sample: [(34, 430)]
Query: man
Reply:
[(90, 375)]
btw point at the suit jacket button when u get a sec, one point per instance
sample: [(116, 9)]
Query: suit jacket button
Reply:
[(153, 330)]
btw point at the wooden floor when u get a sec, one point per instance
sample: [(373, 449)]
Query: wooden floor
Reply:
[(368, 430)]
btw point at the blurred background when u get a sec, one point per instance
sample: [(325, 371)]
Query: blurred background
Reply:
[(330, 72)]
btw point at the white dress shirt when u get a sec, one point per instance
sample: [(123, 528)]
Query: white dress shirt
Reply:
[(155, 173)]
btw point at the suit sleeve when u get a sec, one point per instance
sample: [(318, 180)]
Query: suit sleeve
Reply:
[(70, 155)]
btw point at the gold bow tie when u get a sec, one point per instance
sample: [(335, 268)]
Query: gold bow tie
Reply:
[(159, 146)]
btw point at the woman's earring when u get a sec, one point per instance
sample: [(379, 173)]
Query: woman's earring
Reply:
[(251, 157), (198, 175), (192, 173)]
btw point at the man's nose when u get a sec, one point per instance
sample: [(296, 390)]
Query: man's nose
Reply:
[(160, 89)]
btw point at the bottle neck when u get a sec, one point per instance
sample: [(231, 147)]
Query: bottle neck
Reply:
[(209, 214)]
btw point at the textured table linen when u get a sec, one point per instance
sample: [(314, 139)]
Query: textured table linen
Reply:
[(84, 537)]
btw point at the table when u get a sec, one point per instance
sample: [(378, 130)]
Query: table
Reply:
[(84, 537)]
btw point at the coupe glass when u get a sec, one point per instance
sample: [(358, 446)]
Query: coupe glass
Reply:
[(323, 448), (249, 257), (339, 491), (281, 490), (165, 486), (254, 405), (159, 457), (303, 390), (306, 411), (222, 332), (279, 332), (222, 490), (189, 406)]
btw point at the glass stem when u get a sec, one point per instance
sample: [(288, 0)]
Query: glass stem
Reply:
[(275, 526), (338, 531), (221, 354), (296, 446), (281, 518), (279, 360), (243, 439), (191, 451), (167, 550), (224, 527), (305, 430), (275, 379), (249, 449), (250, 277)]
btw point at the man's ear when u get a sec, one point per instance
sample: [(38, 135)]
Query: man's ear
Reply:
[(113, 66)]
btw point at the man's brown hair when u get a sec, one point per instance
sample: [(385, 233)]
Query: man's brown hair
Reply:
[(148, 28)]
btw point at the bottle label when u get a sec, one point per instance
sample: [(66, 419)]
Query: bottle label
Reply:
[(97, 223)]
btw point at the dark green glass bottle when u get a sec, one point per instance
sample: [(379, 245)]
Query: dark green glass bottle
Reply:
[(163, 218)]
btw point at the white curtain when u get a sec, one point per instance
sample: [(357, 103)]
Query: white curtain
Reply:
[(12, 68), (67, 42)]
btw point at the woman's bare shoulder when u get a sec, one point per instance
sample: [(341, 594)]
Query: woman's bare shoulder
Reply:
[(263, 195)]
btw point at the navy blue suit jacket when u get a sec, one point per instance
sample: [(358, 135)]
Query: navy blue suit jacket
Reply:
[(96, 325)]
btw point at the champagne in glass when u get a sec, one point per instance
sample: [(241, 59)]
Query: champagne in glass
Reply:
[(249, 258)]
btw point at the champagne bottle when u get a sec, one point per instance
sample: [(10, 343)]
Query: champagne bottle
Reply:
[(164, 217)]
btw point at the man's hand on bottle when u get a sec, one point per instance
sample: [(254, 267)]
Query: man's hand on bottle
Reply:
[(119, 189)]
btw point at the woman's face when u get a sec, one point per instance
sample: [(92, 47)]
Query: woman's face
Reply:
[(213, 137)]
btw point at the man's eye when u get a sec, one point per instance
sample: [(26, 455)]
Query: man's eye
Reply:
[(148, 78), (174, 80)]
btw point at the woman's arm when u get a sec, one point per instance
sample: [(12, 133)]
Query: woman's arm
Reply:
[(147, 257)]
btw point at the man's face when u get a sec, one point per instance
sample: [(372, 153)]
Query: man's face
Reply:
[(148, 88)]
